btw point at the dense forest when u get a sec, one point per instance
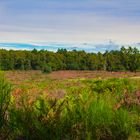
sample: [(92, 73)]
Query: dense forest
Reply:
[(115, 60)]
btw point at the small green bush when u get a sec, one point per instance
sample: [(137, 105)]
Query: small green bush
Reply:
[(113, 85), (46, 69)]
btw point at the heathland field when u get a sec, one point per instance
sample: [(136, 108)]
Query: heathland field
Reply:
[(69, 105)]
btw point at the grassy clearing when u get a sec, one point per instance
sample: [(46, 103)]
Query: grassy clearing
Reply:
[(70, 109)]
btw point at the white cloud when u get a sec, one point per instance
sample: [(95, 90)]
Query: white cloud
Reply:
[(69, 21)]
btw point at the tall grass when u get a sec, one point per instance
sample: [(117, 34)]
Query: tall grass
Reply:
[(5, 97), (87, 115)]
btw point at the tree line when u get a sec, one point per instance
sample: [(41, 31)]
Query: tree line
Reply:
[(125, 59)]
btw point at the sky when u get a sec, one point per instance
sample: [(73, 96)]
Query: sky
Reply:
[(40, 21)]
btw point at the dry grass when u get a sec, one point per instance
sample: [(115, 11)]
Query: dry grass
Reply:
[(91, 74), (53, 84), (20, 76)]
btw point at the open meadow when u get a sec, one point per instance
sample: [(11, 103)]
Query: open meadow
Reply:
[(70, 105), (69, 69), (60, 80)]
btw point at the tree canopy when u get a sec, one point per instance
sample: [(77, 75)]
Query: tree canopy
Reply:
[(125, 59)]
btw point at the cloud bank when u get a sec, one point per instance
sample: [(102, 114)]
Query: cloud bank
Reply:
[(31, 21)]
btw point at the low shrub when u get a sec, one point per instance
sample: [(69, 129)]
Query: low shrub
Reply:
[(46, 69)]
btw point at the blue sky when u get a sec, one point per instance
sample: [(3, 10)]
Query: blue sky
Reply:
[(40, 21)]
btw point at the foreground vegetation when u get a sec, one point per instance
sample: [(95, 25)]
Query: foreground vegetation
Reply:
[(75, 109), (119, 60)]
